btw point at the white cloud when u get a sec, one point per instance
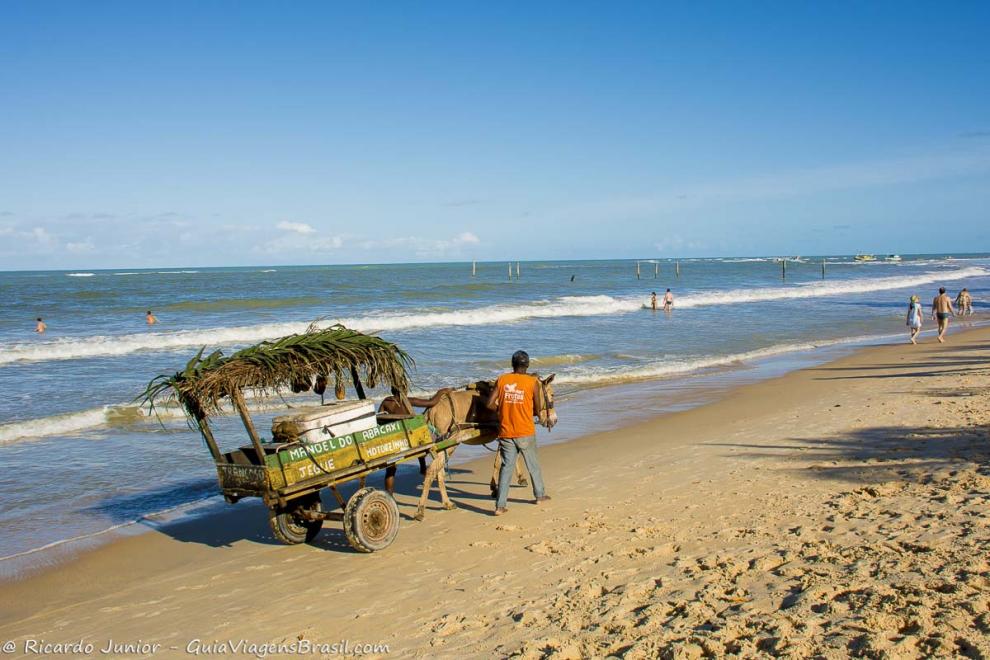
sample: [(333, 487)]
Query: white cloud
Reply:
[(326, 243), (300, 242), (239, 228), (81, 246), (297, 227), (41, 235), (677, 243), (425, 247)]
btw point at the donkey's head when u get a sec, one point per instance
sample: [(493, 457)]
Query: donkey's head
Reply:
[(543, 405)]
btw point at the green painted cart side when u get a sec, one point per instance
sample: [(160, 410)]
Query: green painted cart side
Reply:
[(293, 469)]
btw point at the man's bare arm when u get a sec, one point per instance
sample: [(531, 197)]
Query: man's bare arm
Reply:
[(492, 403)]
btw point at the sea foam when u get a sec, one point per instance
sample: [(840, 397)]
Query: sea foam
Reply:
[(566, 306), (571, 372)]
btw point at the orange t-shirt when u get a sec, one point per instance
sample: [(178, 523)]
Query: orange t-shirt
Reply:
[(515, 410)]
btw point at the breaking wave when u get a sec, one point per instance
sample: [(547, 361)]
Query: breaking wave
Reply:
[(124, 414), (600, 376), (567, 306), (66, 424), (825, 288), (574, 373)]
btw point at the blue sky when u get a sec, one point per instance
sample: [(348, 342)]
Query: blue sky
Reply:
[(239, 133)]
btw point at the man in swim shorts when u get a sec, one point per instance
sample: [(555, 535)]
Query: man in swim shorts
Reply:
[(668, 301), (941, 310)]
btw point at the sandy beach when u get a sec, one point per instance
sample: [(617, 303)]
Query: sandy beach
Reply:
[(838, 510)]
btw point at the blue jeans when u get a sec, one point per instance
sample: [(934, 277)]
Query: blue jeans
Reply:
[(509, 448)]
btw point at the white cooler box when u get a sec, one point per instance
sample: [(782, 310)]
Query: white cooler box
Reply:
[(311, 425)]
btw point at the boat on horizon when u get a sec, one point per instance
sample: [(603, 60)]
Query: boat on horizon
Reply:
[(892, 257), (865, 257)]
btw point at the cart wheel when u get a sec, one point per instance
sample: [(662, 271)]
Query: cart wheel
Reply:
[(292, 530), (371, 520)]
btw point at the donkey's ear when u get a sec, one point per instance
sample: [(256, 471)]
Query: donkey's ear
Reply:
[(549, 379)]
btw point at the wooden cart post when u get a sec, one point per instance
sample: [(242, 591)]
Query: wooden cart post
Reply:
[(207, 433), (358, 387), (238, 398)]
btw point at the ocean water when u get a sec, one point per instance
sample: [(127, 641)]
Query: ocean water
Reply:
[(79, 457)]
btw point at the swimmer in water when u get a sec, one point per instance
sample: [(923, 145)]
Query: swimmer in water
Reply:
[(150, 318), (40, 327), (668, 301), (653, 301)]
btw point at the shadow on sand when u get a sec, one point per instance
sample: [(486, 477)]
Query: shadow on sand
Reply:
[(223, 524), (878, 454)]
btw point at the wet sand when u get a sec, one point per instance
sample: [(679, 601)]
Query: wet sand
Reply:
[(841, 509)]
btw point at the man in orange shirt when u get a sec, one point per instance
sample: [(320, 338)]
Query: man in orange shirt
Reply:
[(513, 398)]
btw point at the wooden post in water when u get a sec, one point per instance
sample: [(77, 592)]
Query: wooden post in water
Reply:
[(637, 270), (677, 269), (510, 271), (474, 268), (656, 269), (823, 268), (783, 269), (517, 270)]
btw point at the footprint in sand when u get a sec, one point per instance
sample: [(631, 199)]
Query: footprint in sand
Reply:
[(545, 548)]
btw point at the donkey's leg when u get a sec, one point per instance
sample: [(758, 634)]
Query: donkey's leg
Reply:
[(493, 484), (521, 479), (442, 480), (431, 474)]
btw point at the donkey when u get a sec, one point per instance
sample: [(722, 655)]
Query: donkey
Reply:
[(463, 413)]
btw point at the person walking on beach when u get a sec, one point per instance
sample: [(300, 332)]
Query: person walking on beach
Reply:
[(914, 318), (40, 327), (653, 301), (941, 310), (964, 302), (513, 398), (150, 318), (668, 301)]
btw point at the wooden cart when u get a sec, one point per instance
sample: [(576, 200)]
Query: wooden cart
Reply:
[(288, 476)]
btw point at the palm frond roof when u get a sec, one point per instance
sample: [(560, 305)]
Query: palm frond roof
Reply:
[(273, 365)]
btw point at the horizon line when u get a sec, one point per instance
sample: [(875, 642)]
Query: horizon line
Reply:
[(489, 261)]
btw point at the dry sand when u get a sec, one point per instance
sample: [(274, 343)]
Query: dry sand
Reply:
[(840, 510)]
